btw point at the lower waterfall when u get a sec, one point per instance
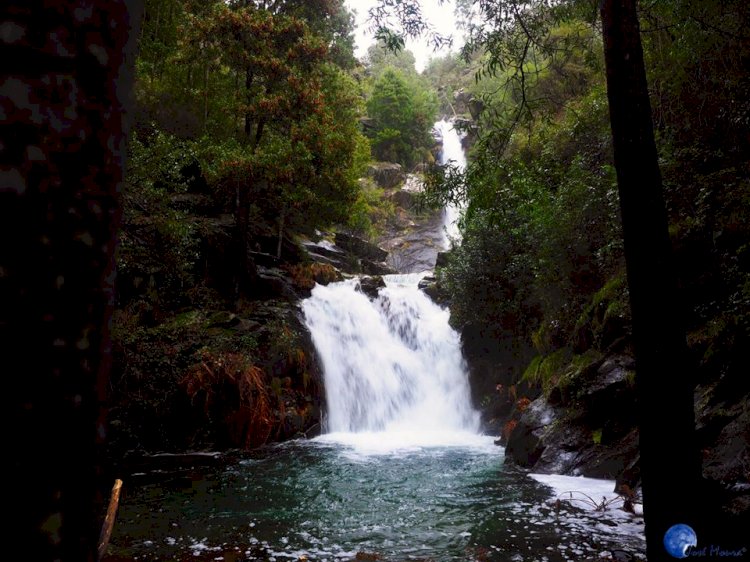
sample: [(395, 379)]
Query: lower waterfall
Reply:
[(392, 365)]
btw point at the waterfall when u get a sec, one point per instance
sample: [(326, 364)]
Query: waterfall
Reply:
[(392, 365), (453, 151)]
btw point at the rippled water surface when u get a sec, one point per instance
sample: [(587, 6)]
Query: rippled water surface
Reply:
[(327, 499)]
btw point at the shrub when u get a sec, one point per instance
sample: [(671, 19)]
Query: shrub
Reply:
[(232, 393)]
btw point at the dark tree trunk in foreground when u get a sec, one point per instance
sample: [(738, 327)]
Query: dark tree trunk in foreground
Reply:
[(63, 90), (669, 463)]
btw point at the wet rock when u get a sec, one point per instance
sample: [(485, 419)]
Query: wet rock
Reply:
[(728, 460), (376, 268), (414, 246), (360, 248), (594, 434), (526, 441), (442, 259), (325, 252), (371, 286), (612, 459), (404, 199), (386, 174), (432, 289), (610, 393), (313, 431), (274, 283)]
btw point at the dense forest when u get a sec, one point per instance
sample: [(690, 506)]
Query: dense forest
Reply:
[(263, 159)]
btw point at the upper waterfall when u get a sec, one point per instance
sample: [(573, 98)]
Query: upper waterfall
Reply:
[(453, 151)]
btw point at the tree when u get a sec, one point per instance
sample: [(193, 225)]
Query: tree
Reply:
[(244, 83), (669, 462), (65, 88), (403, 111), (380, 58)]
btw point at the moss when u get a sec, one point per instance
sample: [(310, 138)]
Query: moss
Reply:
[(630, 379), (607, 312), (567, 379), (596, 436), (545, 371)]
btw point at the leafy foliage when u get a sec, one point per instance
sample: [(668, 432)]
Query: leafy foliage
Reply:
[(229, 389), (402, 106)]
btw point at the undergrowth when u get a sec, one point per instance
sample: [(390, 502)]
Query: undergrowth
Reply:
[(229, 387)]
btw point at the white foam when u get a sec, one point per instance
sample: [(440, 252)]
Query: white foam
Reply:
[(391, 366), (405, 441), (594, 495)]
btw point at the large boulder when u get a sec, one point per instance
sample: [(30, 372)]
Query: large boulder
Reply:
[(325, 252), (404, 199), (526, 442), (586, 427), (360, 248), (386, 174), (376, 268)]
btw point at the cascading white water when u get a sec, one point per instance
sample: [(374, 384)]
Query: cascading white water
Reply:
[(392, 365), (453, 151)]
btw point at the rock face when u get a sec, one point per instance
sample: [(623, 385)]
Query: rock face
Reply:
[(526, 442), (404, 199), (588, 431), (349, 254), (432, 289), (386, 174), (364, 257), (360, 248), (492, 357), (215, 380), (325, 252)]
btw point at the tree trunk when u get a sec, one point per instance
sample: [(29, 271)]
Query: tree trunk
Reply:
[(246, 268), (280, 242), (63, 98), (248, 117), (205, 96), (670, 465)]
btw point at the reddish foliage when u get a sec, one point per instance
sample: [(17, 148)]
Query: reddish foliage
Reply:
[(522, 404), (508, 428)]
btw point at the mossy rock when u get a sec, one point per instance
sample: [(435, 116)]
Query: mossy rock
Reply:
[(605, 319)]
